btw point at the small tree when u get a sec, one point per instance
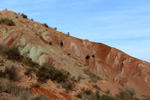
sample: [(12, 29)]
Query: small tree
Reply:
[(24, 16)]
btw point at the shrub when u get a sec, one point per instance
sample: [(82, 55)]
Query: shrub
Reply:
[(92, 75), (45, 25), (96, 87), (127, 94), (19, 92), (69, 86), (24, 16), (47, 71), (8, 87), (29, 62), (12, 53), (41, 97), (29, 72), (107, 97), (88, 91), (43, 73), (55, 28), (7, 21), (11, 73), (87, 94)]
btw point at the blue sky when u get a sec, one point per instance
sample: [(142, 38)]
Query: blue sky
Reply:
[(123, 24)]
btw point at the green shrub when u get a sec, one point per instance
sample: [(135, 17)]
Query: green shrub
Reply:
[(29, 62), (11, 53), (47, 71), (24, 16), (7, 21)]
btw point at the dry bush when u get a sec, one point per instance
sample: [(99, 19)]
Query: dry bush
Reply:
[(24, 16), (45, 25), (11, 53), (69, 86), (128, 93), (7, 21), (47, 71), (29, 62), (11, 73), (88, 94), (96, 87), (19, 92)]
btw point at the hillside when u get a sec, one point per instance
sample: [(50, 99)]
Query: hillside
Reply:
[(95, 64)]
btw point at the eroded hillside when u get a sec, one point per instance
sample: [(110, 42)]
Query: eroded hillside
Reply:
[(43, 44)]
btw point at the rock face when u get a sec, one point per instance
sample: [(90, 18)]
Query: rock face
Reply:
[(42, 45)]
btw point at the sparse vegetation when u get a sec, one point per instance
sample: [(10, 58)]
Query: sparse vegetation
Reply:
[(96, 87), (29, 71), (7, 21), (107, 97), (24, 16), (47, 71), (78, 78), (29, 62), (11, 73), (88, 94), (11, 53), (92, 76), (19, 92), (128, 94), (69, 86)]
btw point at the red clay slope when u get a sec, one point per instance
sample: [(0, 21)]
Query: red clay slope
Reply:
[(33, 40)]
